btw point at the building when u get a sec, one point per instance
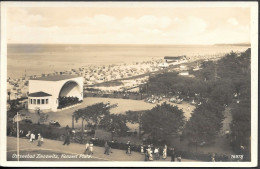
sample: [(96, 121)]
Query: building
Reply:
[(175, 59), (44, 92), (184, 73), (163, 65)]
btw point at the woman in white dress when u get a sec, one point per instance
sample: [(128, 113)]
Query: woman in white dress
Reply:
[(165, 152), (87, 149)]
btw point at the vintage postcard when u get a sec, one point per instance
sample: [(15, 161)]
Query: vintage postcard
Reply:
[(129, 84)]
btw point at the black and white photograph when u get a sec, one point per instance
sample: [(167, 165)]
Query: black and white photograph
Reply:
[(137, 83)]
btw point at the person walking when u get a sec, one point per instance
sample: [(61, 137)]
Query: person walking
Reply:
[(106, 148), (39, 140), (129, 150), (146, 155), (172, 154), (152, 148), (28, 135), (149, 153), (67, 138), (156, 153), (87, 149), (150, 156), (127, 146), (32, 137), (165, 152)]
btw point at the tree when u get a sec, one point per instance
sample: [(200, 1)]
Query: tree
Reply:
[(115, 123), (92, 114), (14, 108), (222, 92), (205, 122), (163, 120)]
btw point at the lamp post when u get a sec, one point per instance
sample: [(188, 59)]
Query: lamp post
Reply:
[(18, 132), (17, 117)]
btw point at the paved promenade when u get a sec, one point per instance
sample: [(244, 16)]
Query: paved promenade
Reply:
[(53, 146)]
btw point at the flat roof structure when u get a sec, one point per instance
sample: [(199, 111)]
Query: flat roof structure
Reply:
[(55, 77), (174, 57), (39, 94)]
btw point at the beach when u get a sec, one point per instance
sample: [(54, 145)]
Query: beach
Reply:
[(43, 58), (98, 64)]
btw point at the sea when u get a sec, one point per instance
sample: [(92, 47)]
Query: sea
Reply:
[(35, 59)]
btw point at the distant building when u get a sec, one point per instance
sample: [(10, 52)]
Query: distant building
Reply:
[(163, 65), (44, 92), (184, 73), (175, 59)]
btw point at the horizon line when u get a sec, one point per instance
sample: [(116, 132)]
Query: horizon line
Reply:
[(245, 43)]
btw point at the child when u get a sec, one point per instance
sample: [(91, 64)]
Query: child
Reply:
[(129, 150), (142, 149), (179, 158), (39, 139)]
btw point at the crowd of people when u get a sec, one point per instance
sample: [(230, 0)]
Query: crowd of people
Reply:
[(154, 99), (152, 153), (89, 149)]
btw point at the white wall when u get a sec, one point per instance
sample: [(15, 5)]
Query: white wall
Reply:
[(42, 107)]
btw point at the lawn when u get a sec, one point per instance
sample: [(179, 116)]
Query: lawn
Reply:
[(64, 117)]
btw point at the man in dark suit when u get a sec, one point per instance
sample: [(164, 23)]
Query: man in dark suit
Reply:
[(172, 154)]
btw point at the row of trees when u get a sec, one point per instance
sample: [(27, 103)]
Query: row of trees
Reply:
[(159, 122)]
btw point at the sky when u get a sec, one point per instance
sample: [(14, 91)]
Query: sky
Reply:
[(128, 25)]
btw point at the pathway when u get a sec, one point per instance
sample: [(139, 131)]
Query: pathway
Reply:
[(54, 146)]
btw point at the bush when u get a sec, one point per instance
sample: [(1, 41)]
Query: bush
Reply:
[(46, 131)]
